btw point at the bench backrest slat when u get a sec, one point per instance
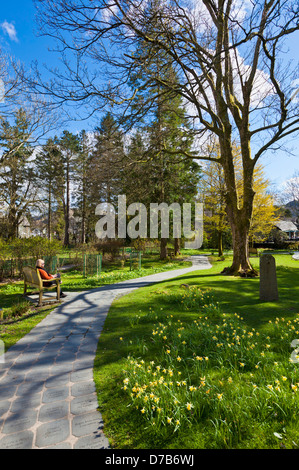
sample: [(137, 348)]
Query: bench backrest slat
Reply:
[(32, 276)]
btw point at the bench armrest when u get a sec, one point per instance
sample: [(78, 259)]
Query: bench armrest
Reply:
[(50, 280)]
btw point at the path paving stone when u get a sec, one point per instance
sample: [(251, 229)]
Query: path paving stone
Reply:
[(4, 407), (55, 394), (92, 442), (7, 392), (20, 421), (22, 440), (53, 411), (81, 375), (53, 432), (57, 380), (84, 404), (87, 423), (21, 403), (83, 388), (47, 393)]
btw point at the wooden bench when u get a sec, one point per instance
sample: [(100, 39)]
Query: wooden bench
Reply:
[(32, 278)]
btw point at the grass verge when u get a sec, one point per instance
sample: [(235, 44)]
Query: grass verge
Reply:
[(13, 329)]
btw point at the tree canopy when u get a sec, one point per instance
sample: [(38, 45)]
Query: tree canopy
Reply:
[(226, 56)]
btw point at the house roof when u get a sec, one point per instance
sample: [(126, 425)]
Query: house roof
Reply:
[(286, 226)]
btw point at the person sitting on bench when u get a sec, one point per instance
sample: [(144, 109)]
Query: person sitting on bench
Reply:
[(40, 264)]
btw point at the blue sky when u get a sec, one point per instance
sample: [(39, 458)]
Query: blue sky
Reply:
[(18, 37)]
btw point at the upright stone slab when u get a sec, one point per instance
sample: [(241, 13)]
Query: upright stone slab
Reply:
[(268, 280)]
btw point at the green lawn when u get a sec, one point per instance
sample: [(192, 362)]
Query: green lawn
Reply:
[(253, 401), (11, 296)]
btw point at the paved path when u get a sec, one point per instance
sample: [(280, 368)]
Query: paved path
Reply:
[(47, 393)]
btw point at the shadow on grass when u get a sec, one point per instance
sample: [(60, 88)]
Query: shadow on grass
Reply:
[(15, 320)]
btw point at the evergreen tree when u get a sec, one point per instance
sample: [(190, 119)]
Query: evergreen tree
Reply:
[(83, 184), (107, 161), (50, 180), (166, 133), (105, 167), (69, 146)]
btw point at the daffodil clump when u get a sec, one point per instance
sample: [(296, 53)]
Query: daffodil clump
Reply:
[(191, 297), (221, 373)]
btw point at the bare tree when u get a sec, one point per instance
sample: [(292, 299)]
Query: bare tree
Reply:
[(17, 177), (17, 93), (226, 54), (25, 118), (11, 83)]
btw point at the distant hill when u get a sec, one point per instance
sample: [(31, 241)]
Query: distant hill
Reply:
[(293, 206)]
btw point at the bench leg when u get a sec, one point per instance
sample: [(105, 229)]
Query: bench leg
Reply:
[(40, 298), (58, 291)]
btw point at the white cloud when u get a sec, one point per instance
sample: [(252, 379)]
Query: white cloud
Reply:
[(109, 12), (10, 30)]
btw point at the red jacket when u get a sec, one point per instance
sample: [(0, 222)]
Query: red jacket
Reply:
[(44, 274)]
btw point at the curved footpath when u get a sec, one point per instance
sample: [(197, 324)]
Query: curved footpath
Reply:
[(47, 393)]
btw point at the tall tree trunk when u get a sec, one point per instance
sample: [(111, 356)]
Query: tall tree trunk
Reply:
[(49, 215), (239, 217), (176, 246), (67, 208), (163, 248), (241, 263), (220, 243), (83, 227), (13, 225), (13, 221), (240, 223)]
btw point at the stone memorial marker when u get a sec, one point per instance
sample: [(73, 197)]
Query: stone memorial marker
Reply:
[(268, 280)]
